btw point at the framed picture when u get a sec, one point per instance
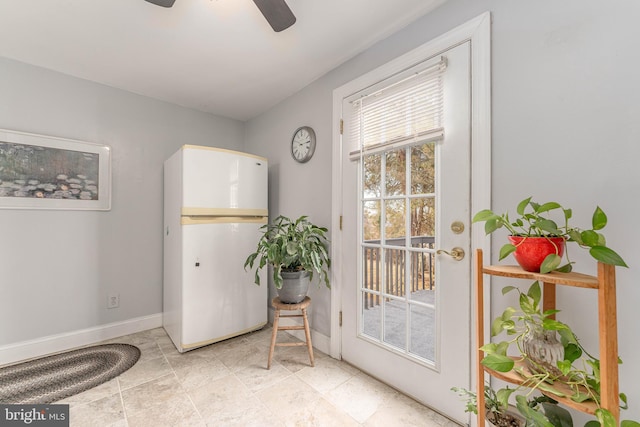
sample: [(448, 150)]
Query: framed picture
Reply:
[(44, 172)]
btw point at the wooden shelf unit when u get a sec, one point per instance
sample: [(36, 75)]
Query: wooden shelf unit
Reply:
[(604, 283)]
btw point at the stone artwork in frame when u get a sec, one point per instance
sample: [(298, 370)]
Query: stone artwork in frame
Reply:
[(45, 172)]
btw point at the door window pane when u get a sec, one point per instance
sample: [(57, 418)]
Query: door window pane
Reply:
[(371, 315), (422, 272), (371, 176), (394, 229), (395, 271), (422, 334), (423, 169), (423, 217), (395, 175), (395, 323), (371, 221), (371, 269)]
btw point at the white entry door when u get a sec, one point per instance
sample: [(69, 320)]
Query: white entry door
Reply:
[(406, 266)]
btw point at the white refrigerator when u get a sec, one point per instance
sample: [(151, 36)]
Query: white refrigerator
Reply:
[(215, 201)]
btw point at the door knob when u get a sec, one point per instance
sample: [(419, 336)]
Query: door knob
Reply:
[(456, 253)]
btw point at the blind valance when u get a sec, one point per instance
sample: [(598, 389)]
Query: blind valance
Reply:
[(405, 111)]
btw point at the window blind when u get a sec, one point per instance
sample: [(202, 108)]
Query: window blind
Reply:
[(405, 111)]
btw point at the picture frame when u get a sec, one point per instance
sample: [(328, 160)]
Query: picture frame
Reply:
[(46, 172)]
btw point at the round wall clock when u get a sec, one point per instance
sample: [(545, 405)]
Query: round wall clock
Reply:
[(303, 144)]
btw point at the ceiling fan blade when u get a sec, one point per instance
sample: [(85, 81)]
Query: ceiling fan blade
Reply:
[(163, 3), (277, 14)]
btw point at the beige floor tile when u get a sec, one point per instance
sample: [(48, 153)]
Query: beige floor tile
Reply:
[(288, 396), (361, 396), (401, 410), (107, 411), (107, 389), (327, 375), (143, 372), (160, 402), (257, 377), (319, 413)]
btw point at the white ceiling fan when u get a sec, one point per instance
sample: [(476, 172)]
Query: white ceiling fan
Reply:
[(276, 12)]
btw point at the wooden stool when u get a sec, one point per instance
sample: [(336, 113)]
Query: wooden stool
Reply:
[(279, 305)]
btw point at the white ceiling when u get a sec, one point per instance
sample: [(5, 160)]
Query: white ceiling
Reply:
[(217, 56)]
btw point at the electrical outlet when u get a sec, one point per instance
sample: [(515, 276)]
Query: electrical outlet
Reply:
[(113, 300)]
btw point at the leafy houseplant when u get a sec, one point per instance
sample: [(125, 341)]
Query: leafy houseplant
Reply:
[(583, 384), (536, 220), (291, 246), (496, 404)]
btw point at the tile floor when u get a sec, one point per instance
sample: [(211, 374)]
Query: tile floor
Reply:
[(227, 384)]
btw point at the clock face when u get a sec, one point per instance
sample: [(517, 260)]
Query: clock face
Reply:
[(303, 144)]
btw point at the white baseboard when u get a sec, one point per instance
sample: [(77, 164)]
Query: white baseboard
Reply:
[(55, 343)]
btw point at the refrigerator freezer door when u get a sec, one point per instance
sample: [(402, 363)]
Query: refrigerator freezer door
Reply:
[(224, 180), (220, 299)]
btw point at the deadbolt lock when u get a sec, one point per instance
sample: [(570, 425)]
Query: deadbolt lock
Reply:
[(457, 227)]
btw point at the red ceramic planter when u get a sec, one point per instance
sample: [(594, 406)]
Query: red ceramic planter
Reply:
[(531, 251)]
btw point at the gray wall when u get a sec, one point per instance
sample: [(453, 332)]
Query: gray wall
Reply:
[(565, 128), (564, 94), (58, 266)]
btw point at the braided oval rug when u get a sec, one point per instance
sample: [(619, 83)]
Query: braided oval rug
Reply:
[(56, 377)]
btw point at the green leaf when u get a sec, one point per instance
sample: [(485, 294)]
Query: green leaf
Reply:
[(553, 325), (535, 293), (629, 423), (607, 256), (605, 417), (548, 225), (526, 305), (564, 366), (549, 389), (502, 348), (550, 263), (546, 207), (497, 326), (567, 214), (599, 219), (572, 353), (533, 417), (498, 362), (489, 348), (574, 236), (503, 396), (522, 206), (581, 397), (491, 225), (508, 313), (483, 215), (565, 268), (590, 238), (592, 423), (507, 289), (557, 415), (506, 250)]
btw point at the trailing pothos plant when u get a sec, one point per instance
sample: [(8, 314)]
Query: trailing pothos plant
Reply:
[(496, 403), (551, 220), (583, 382)]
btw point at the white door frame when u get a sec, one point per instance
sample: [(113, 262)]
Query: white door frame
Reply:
[(478, 32)]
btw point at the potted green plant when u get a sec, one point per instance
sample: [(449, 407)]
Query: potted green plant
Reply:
[(496, 402), (539, 231), (296, 249), (572, 367)]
